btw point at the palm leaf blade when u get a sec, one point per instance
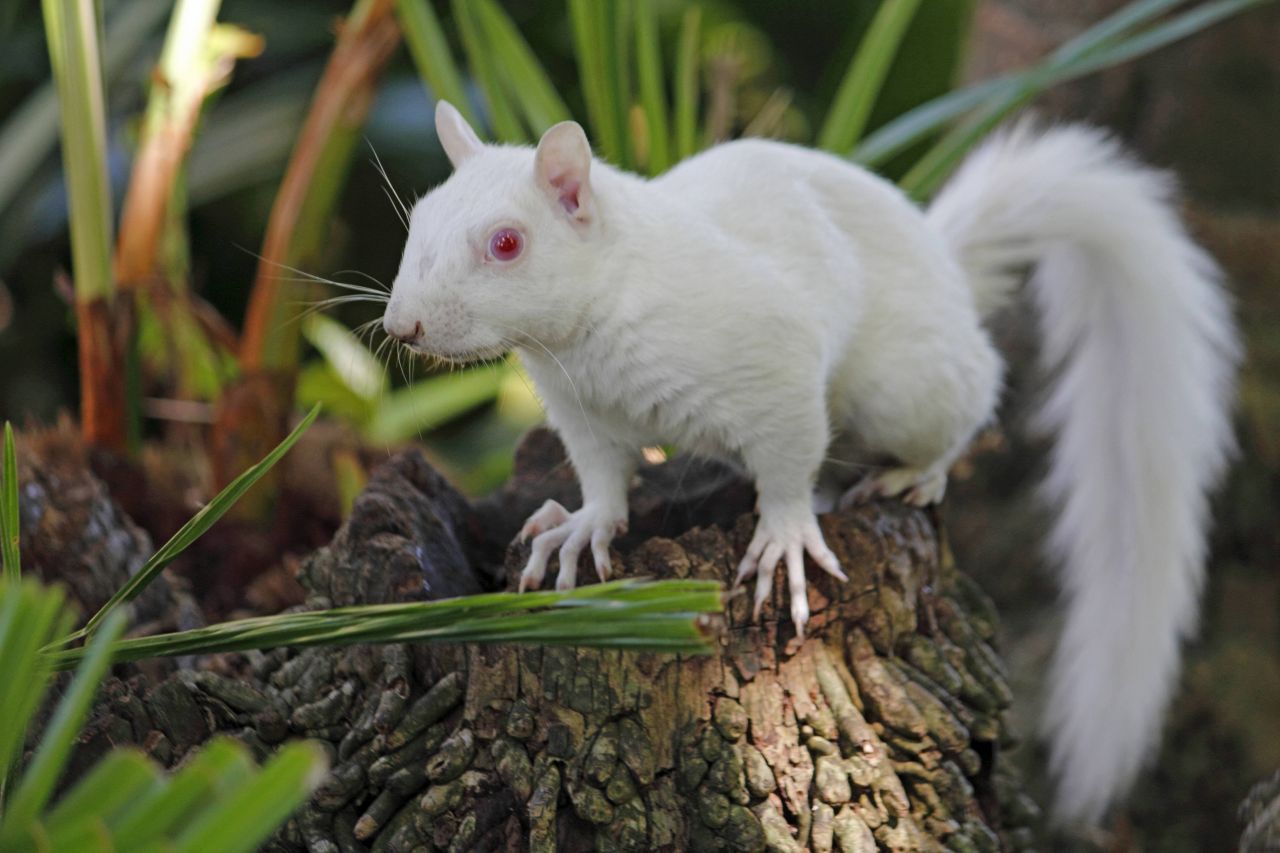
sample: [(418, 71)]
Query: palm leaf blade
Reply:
[(46, 765), (662, 615), (847, 117), (243, 820), (199, 523), (431, 55)]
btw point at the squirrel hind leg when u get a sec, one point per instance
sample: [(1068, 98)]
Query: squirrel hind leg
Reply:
[(918, 487)]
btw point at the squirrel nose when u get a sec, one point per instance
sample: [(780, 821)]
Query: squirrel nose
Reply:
[(402, 335)]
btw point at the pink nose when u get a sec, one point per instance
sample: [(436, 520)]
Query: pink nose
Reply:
[(407, 337)]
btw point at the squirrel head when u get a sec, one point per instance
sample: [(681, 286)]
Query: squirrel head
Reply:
[(496, 254)]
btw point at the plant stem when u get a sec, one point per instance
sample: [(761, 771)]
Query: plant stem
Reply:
[(192, 64), (253, 414), (72, 30), (297, 227), (103, 328)]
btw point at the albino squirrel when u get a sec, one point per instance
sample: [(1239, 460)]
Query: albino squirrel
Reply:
[(786, 309)]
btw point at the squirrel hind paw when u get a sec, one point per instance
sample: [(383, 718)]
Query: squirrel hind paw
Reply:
[(914, 486)]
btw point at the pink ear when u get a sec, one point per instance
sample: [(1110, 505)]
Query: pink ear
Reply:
[(563, 166)]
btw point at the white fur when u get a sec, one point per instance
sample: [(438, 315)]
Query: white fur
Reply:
[(783, 308), (1140, 337)]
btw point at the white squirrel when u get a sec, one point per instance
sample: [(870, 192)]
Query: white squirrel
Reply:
[(780, 306)]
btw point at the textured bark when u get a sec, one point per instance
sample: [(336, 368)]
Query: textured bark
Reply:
[(884, 730), (73, 531)]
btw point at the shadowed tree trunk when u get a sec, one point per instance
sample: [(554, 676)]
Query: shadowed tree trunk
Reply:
[(883, 730)]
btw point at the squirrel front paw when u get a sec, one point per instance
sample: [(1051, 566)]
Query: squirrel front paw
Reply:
[(791, 539), (553, 527)]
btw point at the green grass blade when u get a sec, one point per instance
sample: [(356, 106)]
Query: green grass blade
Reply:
[(71, 27), (916, 124), (592, 39), (59, 736), (617, 33), (243, 820), (484, 68), (408, 412), (492, 620), (220, 767), (929, 173), (857, 94), (431, 54), (1188, 23), (108, 789), (653, 96), (688, 67), (939, 162), (10, 531), (631, 614), (526, 79), (30, 617), (199, 523), (1111, 28)]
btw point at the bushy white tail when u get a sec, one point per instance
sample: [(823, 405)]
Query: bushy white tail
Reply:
[(1139, 339)]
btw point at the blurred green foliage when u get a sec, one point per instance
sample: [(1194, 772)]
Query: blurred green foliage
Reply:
[(218, 800), (654, 80)]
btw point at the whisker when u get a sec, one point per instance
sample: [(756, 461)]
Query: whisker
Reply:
[(355, 288), (573, 386), (325, 304), (524, 379), (856, 466), (381, 286), (400, 351), (368, 330), (307, 277), (396, 208), (339, 300), (392, 195)]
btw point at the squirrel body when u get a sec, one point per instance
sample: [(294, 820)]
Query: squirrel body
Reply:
[(758, 322), (788, 310)]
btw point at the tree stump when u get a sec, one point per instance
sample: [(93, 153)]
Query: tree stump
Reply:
[(882, 730)]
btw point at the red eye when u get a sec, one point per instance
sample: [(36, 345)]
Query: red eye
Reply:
[(505, 244)]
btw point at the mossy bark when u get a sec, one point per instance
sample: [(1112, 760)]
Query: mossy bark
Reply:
[(884, 729)]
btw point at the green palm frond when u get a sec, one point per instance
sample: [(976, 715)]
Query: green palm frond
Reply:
[(218, 801), (666, 616)]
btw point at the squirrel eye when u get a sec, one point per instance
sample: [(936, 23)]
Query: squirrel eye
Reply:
[(505, 244)]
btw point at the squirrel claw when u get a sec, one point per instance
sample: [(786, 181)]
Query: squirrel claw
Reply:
[(787, 543), (570, 533)]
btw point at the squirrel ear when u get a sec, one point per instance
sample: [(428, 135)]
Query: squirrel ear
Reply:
[(562, 168), (456, 136)]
